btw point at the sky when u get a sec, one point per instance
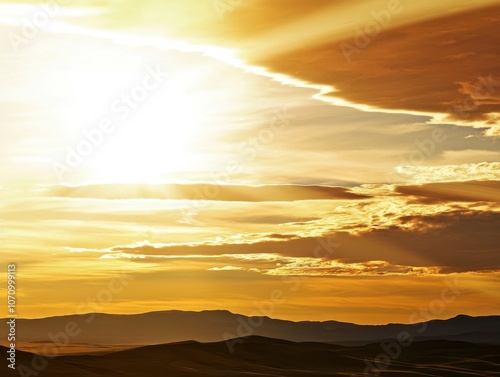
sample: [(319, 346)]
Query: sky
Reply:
[(217, 154)]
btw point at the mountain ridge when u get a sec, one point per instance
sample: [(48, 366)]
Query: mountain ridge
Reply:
[(224, 311), (206, 326)]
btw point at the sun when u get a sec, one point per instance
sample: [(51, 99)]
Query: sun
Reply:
[(141, 122), (157, 144)]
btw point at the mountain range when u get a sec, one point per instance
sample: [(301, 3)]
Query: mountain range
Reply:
[(213, 326)]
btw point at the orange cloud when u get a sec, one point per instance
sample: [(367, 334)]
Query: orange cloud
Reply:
[(446, 65)]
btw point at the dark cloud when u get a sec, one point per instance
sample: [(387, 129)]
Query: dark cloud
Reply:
[(445, 65), (470, 191), (457, 241), (283, 236)]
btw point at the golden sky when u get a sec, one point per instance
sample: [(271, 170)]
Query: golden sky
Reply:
[(210, 152)]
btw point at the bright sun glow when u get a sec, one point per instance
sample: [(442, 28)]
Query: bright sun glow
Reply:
[(156, 114), (155, 144)]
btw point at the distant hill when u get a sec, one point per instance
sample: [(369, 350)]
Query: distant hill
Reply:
[(259, 356), (213, 326)]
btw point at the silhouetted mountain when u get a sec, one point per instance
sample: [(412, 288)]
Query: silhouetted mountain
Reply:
[(212, 326), (258, 356)]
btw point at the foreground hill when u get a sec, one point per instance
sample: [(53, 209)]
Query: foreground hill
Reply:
[(213, 326), (258, 356)]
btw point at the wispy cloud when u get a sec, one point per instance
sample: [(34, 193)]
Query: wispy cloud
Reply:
[(208, 191)]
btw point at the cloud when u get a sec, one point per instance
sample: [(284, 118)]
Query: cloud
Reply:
[(447, 173), (276, 264), (448, 242), (225, 268), (282, 236), (470, 191), (449, 69), (208, 191), (456, 241), (445, 65), (494, 131), (316, 267)]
